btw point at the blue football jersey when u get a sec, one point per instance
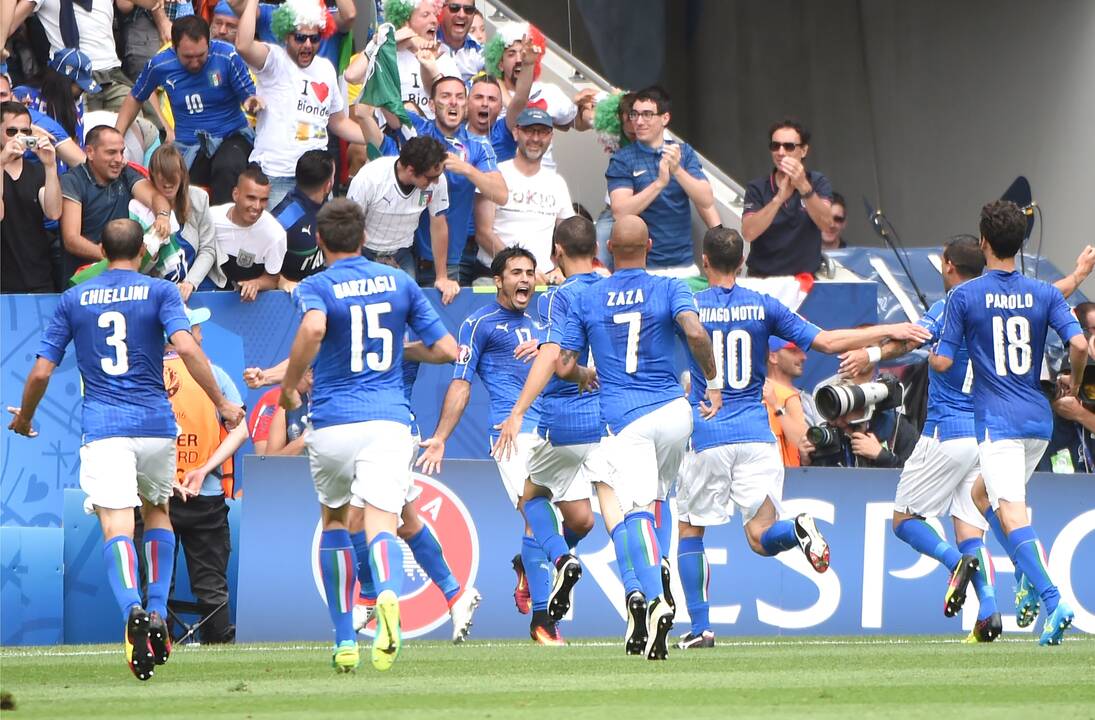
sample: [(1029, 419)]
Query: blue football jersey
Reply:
[(950, 394), (117, 323), (358, 372), (410, 375), (488, 339), (567, 417), (207, 100), (629, 321), (1004, 317), (739, 321)]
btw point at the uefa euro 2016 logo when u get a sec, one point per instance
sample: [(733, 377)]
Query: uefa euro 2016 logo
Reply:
[(422, 606)]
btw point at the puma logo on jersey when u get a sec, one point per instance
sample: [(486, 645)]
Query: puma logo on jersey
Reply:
[(624, 297), (170, 83), (504, 327)]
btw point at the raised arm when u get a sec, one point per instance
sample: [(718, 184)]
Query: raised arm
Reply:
[(250, 49), (1069, 283)]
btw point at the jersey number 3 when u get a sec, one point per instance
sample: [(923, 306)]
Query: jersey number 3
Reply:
[(371, 327), (119, 364)]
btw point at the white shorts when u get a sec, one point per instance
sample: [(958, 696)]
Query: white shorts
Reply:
[(568, 471), (515, 470), (645, 456), (938, 480), (117, 472), (745, 474), (413, 491), (367, 459), (1007, 465)]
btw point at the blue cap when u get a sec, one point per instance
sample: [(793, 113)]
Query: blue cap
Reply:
[(76, 66), (775, 344), (223, 8), (534, 116)]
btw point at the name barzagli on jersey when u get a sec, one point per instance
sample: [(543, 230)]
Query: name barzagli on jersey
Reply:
[(364, 286)]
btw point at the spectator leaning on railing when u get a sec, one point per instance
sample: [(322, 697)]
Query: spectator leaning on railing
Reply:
[(250, 242), (786, 210)]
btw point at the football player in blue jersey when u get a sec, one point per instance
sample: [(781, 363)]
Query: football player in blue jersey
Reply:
[(570, 426), (489, 340), (117, 322), (209, 87), (1002, 317), (631, 321), (737, 460), (354, 314), (939, 475)]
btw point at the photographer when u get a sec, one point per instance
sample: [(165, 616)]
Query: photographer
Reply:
[(868, 432), (1072, 446)]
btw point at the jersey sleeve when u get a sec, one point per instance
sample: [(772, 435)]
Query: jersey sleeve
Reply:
[(680, 297), (275, 64), (308, 297), (57, 335), (953, 329), (149, 79), (71, 189), (1061, 318), (275, 251), (485, 159), (424, 321), (554, 316), (575, 337), (439, 203), (172, 313), (932, 320), (618, 173), (823, 187), (241, 77), (789, 325), (472, 341), (690, 161)]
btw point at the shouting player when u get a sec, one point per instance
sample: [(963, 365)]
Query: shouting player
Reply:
[(630, 321), (354, 312), (737, 459), (1003, 318), (117, 323)]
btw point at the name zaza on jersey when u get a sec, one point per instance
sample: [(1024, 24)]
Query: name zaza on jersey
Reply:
[(624, 297)]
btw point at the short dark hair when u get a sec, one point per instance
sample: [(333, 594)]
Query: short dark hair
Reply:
[(838, 199), (580, 209), (1083, 309), (655, 94), (254, 173), (498, 265), (1004, 227), (446, 78), (341, 225), (314, 169), (122, 239), (724, 248), (577, 237), (12, 107), (94, 134), (964, 252), (483, 77), (421, 154), (792, 124), (191, 26)]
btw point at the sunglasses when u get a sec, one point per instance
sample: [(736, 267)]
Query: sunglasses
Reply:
[(302, 38), (839, 218), (454, 8), (788, 146), (13, 131), (645, 115)]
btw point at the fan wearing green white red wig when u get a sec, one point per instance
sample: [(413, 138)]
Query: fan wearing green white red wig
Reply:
[(419, 16), (295, 15), (494, 54)]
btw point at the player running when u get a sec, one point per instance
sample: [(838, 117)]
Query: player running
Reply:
[(117, 323), (737, 459), (630, 322), (489, 340), (939, 475), (360, 441), (1003, 318)]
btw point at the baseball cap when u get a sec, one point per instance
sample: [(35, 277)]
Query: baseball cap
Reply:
[(76, 66), (534, 116), (196, 316), (775, 344), (223, 8)]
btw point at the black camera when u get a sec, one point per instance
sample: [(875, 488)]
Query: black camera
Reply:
[(825, 438), (837, 400)]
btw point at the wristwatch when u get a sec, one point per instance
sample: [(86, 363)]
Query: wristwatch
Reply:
[(163, 213), (808, 195)]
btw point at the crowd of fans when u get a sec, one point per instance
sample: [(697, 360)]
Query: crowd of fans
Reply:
[(222, 126)]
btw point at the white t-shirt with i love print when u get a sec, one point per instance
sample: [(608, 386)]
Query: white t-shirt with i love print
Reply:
[(299, 102)]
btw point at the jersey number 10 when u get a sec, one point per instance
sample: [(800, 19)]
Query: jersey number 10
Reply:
[(365, 321)]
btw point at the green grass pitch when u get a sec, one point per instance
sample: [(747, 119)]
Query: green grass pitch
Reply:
[(761, 677)]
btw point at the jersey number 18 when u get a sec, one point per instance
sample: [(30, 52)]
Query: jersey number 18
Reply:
[(1011, 345)]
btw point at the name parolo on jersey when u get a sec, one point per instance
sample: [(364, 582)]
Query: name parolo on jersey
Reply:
[(1009, 301)]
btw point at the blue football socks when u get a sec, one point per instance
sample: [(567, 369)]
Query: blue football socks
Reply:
[(364, 569), (429, 556), (923, 538), (159, 558), (642, 548), (121, 572), (538, 572), (546, 527), (386, 557), (337, 563), (623, 560), (695, 577), (1030, 557), (985, 577), (781, 536)]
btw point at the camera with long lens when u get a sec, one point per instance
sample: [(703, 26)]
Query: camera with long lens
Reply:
[(825, 438), (838, 400)]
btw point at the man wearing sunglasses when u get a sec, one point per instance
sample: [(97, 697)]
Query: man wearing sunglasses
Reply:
[(787, 210), (832, 239), (456, 20), (32, 193), (299, 88)]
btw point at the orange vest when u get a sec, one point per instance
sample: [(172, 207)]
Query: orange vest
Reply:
[(200, 429), (787, 451)]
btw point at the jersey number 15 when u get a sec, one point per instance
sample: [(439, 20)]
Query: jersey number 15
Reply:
[(365, 322)]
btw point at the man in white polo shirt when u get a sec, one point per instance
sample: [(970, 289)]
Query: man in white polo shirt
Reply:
[(299, 88), (250, 241), (394, 191), (538, 200)]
